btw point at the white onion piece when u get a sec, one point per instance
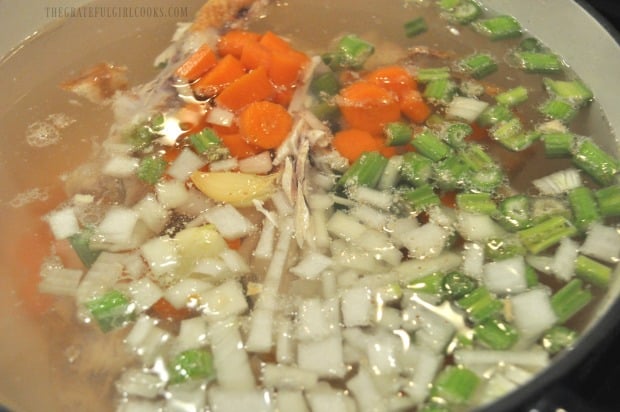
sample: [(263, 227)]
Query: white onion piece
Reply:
[(144, 293), (171, 193), (432, 330), (427, 364), (223, 301), (344, 226), (140, 383), (473, 260), (224, 165), (532, 312), (444, 263), (161, 254), (234, 400), (60, 281), (139, 405), (101, 276), (326, 399), (259, 164), (185, 164), (602, 242), (382, 353), (220, 116), (425, 241), (559, 182), (184, 292), (291, 401), (311, 265), (229, 221), (465, 108), (288, 377), (234, 261), (505, 276), (563, 264), (210, 266), (146, 339), (63, 223), (312, 322), (188, 397), (285, 342), (192, 334), (371, 217), (478, 227), (264, 247), (120, 166), (363, 388), (325, 357), (377, 198), (229, 358), (152, 213), (391, 173)]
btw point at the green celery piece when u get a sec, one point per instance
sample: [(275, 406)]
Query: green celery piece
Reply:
[(80, 242), (456, 285), (421, 197), (207, 143), (448, 4), (493, 115), (352, 53), (475, 157), (592, 271), (480, 304), (539, 62), (478, 65), (416, 169), (139, 136), (476, 203), (112, 310), (499, 27), (431, 284), (608, 200), (531, 276), (570, 299), (512, 97), (574, 91), (520, 141), (426, 75), (486, 179), (515, 212), (450, 173), (151, 169), (546, 233), (365, 171), (505, 130), (440, 91), (558, 338), (558, 109), (496, 334), (325, 85), (456, 133), (398, 133), (504, 248), (531, 44), (466, 12), (455, 385), (558, 144), (430, 145), (584, 207), (415, 26), (596, 162), (191, 364)]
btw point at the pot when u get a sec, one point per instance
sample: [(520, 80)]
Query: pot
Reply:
[(30, 75)]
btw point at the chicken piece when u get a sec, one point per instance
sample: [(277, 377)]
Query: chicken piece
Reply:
[(216, 13), (98, 83)]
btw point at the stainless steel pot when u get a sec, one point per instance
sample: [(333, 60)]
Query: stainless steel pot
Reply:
[(29, 78)]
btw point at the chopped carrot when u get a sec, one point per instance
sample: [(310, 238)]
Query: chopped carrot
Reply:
[(351, 143), (251, 87), (284, 95), (255, 55), (220, 130), (286, 67), (197, 64), (385, 150), (265, 124), (479, 133), (171, 153), (238, 147), (164, 310), (274, 43), (232, 42), (191, 118), (448, 199), (367, 106), (226, 71), (394, 78), (234, 243), (414, 107)]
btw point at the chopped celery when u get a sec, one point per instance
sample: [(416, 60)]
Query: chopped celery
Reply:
[(608, 200), (448, 4), (515, 212), (486, 179), (415, 27), (365, 171), (505, 130), (207, 143), (546, 233), (478, 65), (498, 27), (504, 248), (191, 364), (456, 285), (426, 75), (151, 169), (480, 304), (430, 145), (80, 242), (596, 162), (325, 85), (531, 44), (512, 96), (558, 109), (431, 284), (558, 338), (570, 299), (140, 136), (496, 334), (157, 122), (466, 12), (476, 203), (440, 90), (416, 169), (351, 53), (455, 385), (475, 157), (548, 206), (574, 91), (325, 110), (539, 62), (450, 173), (493, 115), (421, 198), (531, 276), (520, 141), (558, 144), (397, 133), (112, 310), (456, 133), (592, 271), (584, 207)]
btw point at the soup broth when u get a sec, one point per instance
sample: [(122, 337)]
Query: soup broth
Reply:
[(49, 133)]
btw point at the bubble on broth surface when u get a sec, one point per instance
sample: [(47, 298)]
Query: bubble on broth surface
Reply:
[(60, 120), (30, 196), (42, 134)]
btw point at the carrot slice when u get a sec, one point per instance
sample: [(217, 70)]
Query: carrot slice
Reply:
[(249, 88), (414, 107), (265, 124), (197, 64), (255, 55), (394, 78), (351, 143), (286, 67), (238, 147), (275, 43), (369, 107), (234, 243), (164, 310), (233, 41), (226, 71)]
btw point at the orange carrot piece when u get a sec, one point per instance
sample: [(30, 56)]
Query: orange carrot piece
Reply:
[(234, 243), (265, 124), (385, 150), (414, 107), (197, 64), (238, 147), (369, 107), (251, 87), (275, 43), (351, 143), (227, 70), (394, 78), (255, 55), (233, 41), (286, 67), (164, 310), (284, 95), (479, 133)]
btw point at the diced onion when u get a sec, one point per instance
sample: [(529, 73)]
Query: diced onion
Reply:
[(120, 166), (602, 242), (144, 293), (63, 223), (229, 221), (185, 164), (220, 116), (259, 164), (506, 276), (558, 182), (171, 193), (311, 265), (465, 108), (532, 312)]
